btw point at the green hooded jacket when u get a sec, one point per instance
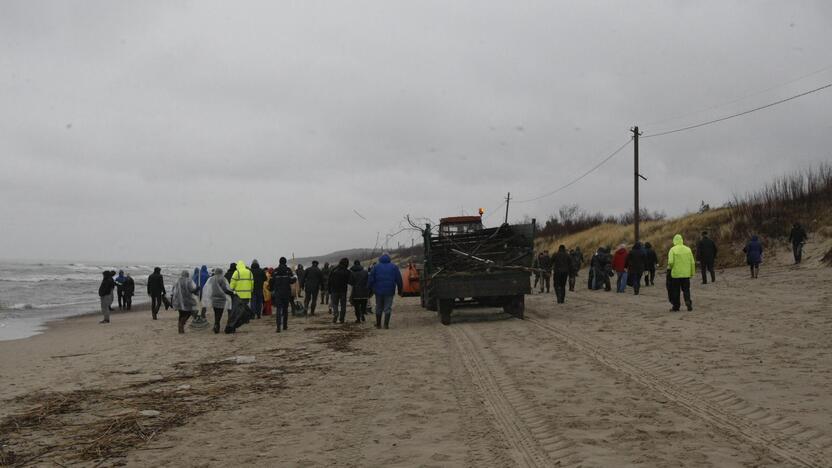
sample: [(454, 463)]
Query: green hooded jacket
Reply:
[(242, 282), (680, 260)]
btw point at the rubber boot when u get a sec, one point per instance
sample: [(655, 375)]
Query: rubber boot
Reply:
[(386, 321), (378, 320), (689, 304)]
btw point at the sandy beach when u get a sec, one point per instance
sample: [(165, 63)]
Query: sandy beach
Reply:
[(605, 380)]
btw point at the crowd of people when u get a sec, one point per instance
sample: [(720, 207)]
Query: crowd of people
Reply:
[(259, 290), (249, 292), (629, 267)]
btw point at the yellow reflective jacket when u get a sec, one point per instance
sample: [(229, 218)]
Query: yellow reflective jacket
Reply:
[(242, 282), (680, 260)]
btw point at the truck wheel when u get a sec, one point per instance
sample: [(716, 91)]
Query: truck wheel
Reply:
[(446, 306), (515, 306)]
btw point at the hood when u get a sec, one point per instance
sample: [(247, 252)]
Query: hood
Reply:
[(384, 259), (184, 274), (677, 240), (356, 268), (120, 275), (241, 265), (255, 265), (755, 238), (157, 270), (217, 271), (637, 246), (621, 250)]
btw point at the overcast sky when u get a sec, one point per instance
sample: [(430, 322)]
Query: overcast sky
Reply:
[(205, 131)]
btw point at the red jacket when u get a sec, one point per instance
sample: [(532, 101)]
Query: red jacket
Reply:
[(619, 261)]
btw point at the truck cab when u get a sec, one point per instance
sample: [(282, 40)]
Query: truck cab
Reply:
[(459, 225)]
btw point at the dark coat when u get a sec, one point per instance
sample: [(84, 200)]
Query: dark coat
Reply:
[(576, 259), (281, 283), (107, 285), (325, 278), (706, 250), (259, 277), (156, 284), (129, 286), (339, 279), (561, 262), (636, 262), (798, 235), (358, 281), (313, 278), (651, 259), (544, 262)]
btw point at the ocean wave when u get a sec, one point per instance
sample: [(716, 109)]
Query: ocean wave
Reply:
[(45, 278), (28, 306)]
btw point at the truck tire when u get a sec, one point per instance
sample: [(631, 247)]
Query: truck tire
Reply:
[(446, 306), (515, 305)]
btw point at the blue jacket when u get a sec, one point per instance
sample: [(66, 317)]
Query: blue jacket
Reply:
[(385, 278), (754, 251)]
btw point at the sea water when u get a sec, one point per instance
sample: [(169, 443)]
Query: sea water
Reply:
[(32, 294)]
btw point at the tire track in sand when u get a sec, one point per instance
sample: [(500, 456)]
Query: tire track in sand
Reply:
[(789, 440), (533, 442)]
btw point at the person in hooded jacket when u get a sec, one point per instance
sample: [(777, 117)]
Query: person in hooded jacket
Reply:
[(105, 293), (619, 262), (681, 268), (651, 261), (119, 280), (183, 298), (230, 273), (156, 291), (200, 277), (706, 254), (339, 279), (798, 237), (281, 285), (635, 263), (312, 280), (360, 291), (259, 278), (129, 291), (384, 279), (216, 292), (754, 255), (242, 283), (561, 266), (544, 264), (325, 285), (576, 259)]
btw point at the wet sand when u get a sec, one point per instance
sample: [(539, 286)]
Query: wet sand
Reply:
[(605, 380)]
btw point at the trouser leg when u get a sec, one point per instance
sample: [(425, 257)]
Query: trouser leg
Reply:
[(217, 318), (684, 285), (342, 299), (675, 289), (105, 307), (572, 279), (704, 273), (637, 283), (184, 315)]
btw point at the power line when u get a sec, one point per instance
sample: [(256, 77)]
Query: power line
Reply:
[(491, 212), (709, 122), (577, 179), (756, 93)]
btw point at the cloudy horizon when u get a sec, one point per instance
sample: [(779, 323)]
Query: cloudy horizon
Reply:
[(210, 131)]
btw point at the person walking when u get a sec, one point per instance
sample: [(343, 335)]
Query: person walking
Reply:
[(635, 266), (706, 254), (545, 265), (384, 279), (183, 299), (129, 291), (561, 266), (156, 291), (325, 284), (232, 267), (119, 280), (681, 268), (651, 261), (536, 268), (339, 279), (576, 259), (105, 293), (242, 283), (312, 281), (754, 255), (216, 292), (301, 273), (259, 278), (281, 285), (199, 278), (798, 238), (360, 291), (619, 264)]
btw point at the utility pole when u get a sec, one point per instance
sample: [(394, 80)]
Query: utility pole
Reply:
[(636, 175), (508, 200)]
